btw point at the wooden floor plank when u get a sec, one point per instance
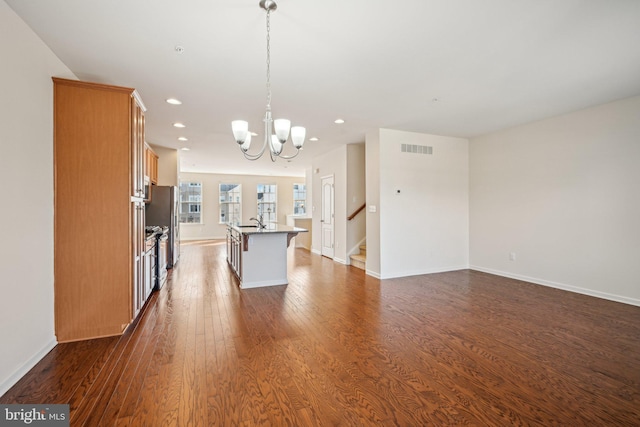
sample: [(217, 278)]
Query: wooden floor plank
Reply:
[(65, 369), (123, 401), (338, 347)]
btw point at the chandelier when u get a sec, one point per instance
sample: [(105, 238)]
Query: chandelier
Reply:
[(282, 127)]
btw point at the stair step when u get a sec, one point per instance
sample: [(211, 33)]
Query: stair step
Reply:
[(359, 261)]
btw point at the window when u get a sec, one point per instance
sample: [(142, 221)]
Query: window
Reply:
[(299, 199), (191, 202), (267, 198), (230, 203)]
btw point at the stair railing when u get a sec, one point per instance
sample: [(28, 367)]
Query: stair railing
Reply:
[(357, 211)]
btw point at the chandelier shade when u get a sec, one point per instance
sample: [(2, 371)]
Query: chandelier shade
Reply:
[(246, 144), (276, 132), (276, 145), (297, 136), (282, 127), (240, 130)]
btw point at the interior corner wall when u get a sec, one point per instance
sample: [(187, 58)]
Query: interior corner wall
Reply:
[(355, 197), (372, 176), (26, 174), (561, 195), (308, 181), (168, 164), (211, 228), (333, 164), (424, 204)]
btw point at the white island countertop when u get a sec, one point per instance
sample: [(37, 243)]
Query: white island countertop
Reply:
[(258, 256), (269, 228)]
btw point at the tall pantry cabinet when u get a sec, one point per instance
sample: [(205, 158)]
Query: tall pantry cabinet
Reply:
[(99, 208)]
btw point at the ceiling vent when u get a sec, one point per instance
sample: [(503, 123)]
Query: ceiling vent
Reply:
[(416, 149)]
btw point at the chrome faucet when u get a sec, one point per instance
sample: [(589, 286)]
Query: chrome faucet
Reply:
[(259, 221)]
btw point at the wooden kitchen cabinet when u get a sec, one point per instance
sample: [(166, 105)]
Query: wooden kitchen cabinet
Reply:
[(99, 209), (150, 164)]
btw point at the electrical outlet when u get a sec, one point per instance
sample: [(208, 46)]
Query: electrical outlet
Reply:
[(512, 256)]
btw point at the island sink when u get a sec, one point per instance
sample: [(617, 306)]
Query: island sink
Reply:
[(258, 256)]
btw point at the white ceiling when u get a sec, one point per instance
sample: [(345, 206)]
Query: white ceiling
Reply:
[(490, 64)]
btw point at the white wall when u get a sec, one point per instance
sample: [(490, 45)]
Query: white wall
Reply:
[(372, 174), (211, 228), (26, 176), (308, 180), (333, 163), (424, 205), (356, 196), (563, 195)]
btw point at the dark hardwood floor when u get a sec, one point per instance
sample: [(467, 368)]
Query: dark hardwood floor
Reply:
[(337, 347)]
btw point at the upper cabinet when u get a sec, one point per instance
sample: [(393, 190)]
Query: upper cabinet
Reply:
[(99, 218), (137, 145), (150, 165)]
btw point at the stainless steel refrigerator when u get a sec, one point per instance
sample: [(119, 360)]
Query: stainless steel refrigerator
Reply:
[(163, 211)]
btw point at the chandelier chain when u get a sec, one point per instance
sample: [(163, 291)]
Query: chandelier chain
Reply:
[(268, 60)]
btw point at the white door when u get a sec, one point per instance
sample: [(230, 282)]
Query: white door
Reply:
[(327, 216)]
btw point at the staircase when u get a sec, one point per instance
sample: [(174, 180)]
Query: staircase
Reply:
[(360, 260)]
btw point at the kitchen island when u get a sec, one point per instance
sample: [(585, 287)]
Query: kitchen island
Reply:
[(258, 256)]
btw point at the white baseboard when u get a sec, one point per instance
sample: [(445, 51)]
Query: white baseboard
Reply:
[(563, 286), (394, 275), (336, 259), (262, 284), (372, 274), (26, 367)]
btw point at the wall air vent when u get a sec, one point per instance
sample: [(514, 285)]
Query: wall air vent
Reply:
[(416, 149)]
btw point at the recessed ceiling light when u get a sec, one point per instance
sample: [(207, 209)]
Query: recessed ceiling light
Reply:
[(179, 125), (185, 149), (313, 139), (173, 101), (253, 134), (338, 121), (182, 138)]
